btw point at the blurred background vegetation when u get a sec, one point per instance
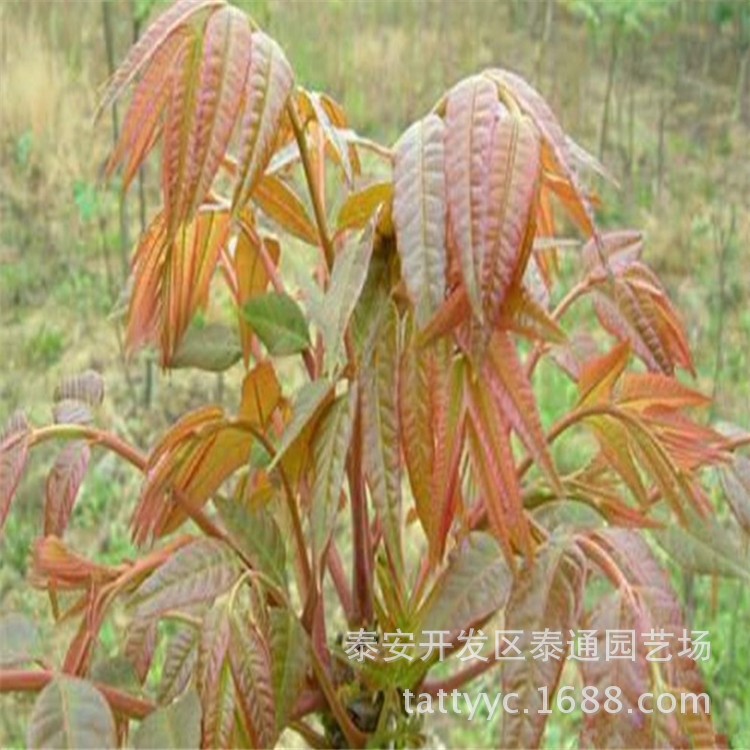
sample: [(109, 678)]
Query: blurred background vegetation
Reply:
[(659, 89)]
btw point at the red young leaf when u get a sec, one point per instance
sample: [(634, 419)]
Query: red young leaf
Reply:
[(176, 16), (471, 111), (269, 84), (63, 483), (14, 448), (88, 387)]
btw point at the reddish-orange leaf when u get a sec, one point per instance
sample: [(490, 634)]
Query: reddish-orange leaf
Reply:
[(222, 78), (261, 393), (471, 110), (175, 17), (143, 121), (282, 204), (495, 471), (599, 375), (506, 379), (63, 483), (54, 565), (641, 391), (189, 268), (14, 449), (532, 103), (269, 84), (512, 183)]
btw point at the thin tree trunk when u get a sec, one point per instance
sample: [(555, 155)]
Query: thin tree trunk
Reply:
[(123, 208), (608, 92), (544, 40), (741, 90)]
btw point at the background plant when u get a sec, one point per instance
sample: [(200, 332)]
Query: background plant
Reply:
[(464, 480)]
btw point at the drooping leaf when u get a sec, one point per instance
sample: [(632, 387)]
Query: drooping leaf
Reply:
[(213, 679), (546, 595), (380, 429), (198, 572), (140, 646), (347, 281), (55, 565), (269, 84), (419, 213), (250, 661), (495, 471), (261, 393), (171, 279), (431, 418), (471, 112), (177, 726), (514, 169), (290, 662), (475, 584), (532, 103), (87, 387), (213, 347), (187, 466), (143, 120), (63, 483), (221, 80), (179, 664), (330, 448), (14, 450), (704, 546), (359, 207), (735, 479), (279, 323), (176, 16), (257, 536), (307, 407), (514, 396), (325, 113), (615, 613), (251, 275), (281, 203), (71, 713)]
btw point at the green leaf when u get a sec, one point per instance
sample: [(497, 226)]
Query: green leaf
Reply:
[(704, 546), (381, 437), (213, 347), (347, 280), (71, 713), (257, 535), (735, 479), (330, 448), (289, 651), (19, 640), (475, 584), (175, 726), (359, 207), (198, 572), (310, 399), (279, 323)]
